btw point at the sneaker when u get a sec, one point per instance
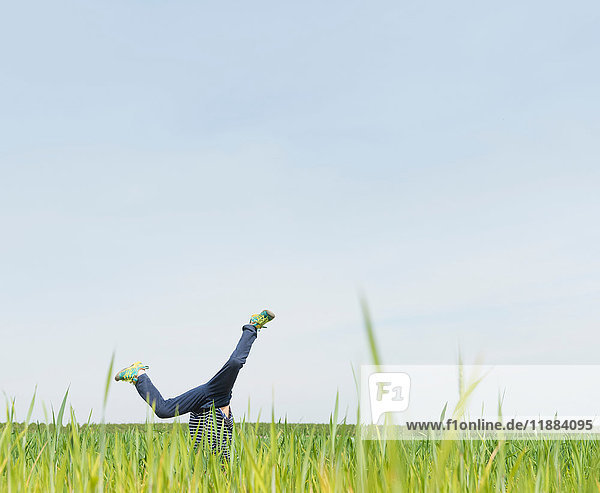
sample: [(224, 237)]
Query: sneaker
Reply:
[(130, 373), (260, 319)]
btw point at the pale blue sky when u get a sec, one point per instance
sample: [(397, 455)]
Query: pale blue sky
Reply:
[(168, 168)]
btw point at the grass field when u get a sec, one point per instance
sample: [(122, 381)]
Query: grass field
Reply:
[(282, 457)]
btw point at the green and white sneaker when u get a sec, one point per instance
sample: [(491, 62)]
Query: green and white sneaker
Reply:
[(130, 373), (260, 319)]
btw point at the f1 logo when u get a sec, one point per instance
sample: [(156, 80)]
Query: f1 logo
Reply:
[(388, 393)]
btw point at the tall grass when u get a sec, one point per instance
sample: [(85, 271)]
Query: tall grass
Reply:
[(278, 456), (282, 457)]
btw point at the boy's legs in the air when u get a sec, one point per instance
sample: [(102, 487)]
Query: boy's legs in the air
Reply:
[(217, 389)]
